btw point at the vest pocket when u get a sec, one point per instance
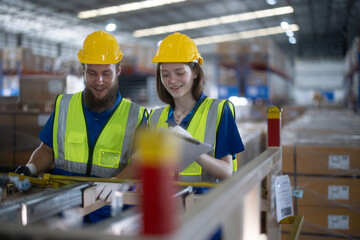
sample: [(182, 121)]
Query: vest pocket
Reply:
[(109, 158), (75, 148)]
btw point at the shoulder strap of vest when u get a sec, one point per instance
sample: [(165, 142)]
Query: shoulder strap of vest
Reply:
[(136, 110), (61, 110), (155, 116)]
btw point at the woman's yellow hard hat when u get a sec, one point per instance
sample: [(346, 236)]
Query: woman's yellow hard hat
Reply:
[(177, 47)]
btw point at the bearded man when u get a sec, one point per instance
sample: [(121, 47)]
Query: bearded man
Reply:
[(91, 133)]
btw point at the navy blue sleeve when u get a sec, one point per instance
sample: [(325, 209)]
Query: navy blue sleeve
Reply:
[(46, 134), (144, 121), (228, 139)]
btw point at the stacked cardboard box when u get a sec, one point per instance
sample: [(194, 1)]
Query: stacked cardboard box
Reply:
[(253, 136), (19, 136), (321, 154), (37, 91), (18, 59), (262, 70)]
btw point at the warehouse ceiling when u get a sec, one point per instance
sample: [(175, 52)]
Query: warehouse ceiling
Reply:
[(322, 28)]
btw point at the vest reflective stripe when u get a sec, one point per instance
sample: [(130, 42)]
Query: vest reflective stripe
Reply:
[(158, 117), (154, 117), (112, 150), (203, 126)]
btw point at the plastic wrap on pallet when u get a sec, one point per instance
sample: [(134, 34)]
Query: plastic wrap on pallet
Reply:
[(321, 154)]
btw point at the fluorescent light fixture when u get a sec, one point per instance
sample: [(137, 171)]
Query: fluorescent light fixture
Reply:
[(110, 27), (125, 8), (213, 21), (284, 25), (243, 35), (292, 40)]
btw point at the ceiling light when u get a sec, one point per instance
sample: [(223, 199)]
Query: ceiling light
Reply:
[(213, 21), (110, 27), (292, 40), (244, 35), (284, 25), (125, 8), (289, 33), (271, 2)]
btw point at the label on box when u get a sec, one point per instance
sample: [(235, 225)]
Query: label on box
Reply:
[(338, 192), (338, 222), (339, 162), (283, 197)]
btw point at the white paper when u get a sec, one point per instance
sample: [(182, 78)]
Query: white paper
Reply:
[(338, 192), (338, 222), (339, 162), (284, 207)]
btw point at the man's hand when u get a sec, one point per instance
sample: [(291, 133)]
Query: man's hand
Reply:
[(105, 191), (27, 170)]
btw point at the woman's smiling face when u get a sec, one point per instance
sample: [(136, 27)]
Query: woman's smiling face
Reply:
[(178, 79)]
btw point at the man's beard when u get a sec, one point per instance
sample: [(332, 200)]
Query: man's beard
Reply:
[(100, 105)]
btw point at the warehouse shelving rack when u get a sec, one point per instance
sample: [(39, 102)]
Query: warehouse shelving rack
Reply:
[(352, 84), (242, 65)]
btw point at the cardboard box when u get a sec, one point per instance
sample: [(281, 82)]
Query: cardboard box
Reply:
[(41, 89), (22, 157), (328, 191), (16, 59), (257, 78), (325, 160), (7, 159), (329, 221), (6, 119), (230, 48)]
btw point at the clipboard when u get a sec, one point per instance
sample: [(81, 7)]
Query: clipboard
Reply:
[(190, 150)]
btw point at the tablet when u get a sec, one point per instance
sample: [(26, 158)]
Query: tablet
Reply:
[(190, 150)]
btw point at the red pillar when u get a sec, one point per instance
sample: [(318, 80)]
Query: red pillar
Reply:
[(274, 126), (158, 207)]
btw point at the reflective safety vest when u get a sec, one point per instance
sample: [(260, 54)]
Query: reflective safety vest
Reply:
[(203, 126), (112, 149)]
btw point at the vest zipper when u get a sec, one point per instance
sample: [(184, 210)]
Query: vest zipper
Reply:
[(91, 149)]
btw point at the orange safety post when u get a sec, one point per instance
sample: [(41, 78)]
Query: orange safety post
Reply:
[(274, 126), (158, 154)]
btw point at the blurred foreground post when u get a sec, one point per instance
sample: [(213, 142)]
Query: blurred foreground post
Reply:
[(159, 153)]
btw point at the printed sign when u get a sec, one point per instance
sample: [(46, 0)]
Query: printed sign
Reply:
[(283, 195)]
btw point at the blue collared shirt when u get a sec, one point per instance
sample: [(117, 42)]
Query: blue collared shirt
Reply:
[(228, 139)]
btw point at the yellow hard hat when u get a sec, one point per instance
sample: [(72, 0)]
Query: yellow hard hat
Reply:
[(100, 48), (177, 47)]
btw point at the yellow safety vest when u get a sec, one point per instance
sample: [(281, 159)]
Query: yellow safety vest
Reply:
[(112, 150), (203, 126)]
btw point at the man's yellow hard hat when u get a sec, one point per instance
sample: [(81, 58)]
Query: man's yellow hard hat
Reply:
[(100, 48), (177, 47)]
